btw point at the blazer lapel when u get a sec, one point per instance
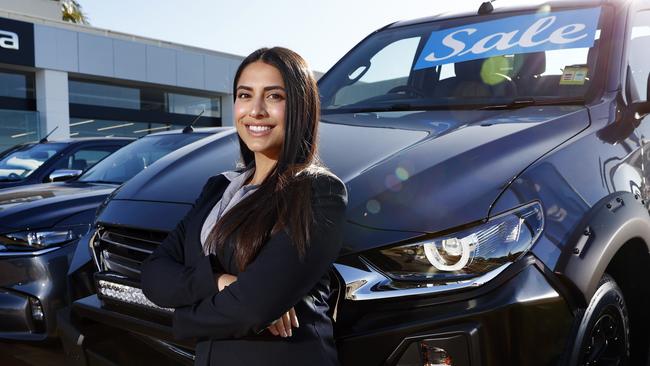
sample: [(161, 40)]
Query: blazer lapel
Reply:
[(203, 209)]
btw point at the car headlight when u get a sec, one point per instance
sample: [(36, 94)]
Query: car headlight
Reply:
[(40, 239), (463, 255)]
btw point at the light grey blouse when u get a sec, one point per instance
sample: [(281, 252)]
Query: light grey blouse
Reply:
[(235, 192)]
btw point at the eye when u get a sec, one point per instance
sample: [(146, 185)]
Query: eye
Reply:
[(275, 96), (243, 95)]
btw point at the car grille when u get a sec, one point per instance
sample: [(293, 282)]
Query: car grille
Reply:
[(123, 250)]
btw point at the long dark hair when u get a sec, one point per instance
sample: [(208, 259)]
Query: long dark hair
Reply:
[(283, 200)]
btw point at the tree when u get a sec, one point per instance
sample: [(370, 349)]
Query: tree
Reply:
[(72, 12)]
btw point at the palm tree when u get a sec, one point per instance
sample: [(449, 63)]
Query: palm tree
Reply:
[(72, 12)]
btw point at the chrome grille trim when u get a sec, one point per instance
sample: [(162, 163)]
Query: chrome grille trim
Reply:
[(103, 238), (115, 266), (123, 250), (134, 238)]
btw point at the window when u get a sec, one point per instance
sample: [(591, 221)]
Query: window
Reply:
[(424, 66), (191, 104), (24, 160), (386, 70), (136, 156), (16, 84), (86, 157), (101, 94), (17, 127), (105, 95), (99, 108), (639, 55)]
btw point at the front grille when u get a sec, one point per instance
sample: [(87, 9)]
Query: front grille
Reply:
[(123, 250)]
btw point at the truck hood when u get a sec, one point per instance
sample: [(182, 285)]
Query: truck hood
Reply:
[(413, 172), (44, 205), (452, 176)]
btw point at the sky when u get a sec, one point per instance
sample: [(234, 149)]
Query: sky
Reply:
[(320, 31)]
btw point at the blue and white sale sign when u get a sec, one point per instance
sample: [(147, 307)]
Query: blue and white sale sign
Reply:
[(518, 34)]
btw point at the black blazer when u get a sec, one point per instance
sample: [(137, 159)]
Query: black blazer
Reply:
[(231, 324)]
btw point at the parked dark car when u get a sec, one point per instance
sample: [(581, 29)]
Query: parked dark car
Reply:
[(40, 225), (49, 161), (496, 164)]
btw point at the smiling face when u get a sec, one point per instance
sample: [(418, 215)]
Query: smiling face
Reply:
[(260, 109)]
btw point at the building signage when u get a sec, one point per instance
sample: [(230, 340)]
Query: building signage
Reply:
[(16, 42)]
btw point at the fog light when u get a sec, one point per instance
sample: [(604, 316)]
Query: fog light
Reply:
[(434, 356), (37, 309), (128, 294)]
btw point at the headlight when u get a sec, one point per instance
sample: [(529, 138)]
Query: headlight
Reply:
[(39, 239), (463, 255)]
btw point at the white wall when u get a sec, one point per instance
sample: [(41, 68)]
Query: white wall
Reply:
[(92, 54), (39, 8), (52, 102)]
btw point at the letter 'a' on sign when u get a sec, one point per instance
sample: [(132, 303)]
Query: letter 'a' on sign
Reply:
[(8, 40), (519, 34)]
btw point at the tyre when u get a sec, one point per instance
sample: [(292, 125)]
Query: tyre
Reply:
[(603, 337)]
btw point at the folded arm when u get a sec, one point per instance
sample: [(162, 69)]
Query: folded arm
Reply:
[(276, 280)]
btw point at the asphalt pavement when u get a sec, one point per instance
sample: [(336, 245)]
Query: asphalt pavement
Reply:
[(24, 354)]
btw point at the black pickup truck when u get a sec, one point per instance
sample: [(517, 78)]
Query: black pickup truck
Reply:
[(496, 164)]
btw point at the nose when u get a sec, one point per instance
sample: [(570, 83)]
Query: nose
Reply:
[(258, 109)]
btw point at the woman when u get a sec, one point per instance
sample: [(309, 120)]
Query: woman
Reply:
[(247, 269)]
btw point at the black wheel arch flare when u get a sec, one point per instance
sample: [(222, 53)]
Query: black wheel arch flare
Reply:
[(611, 223)]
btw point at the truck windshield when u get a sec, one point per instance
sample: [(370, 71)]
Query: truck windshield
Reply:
[(507, 60), (19, 163), (128, 161)]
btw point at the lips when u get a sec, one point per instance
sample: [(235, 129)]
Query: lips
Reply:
[(259, 130)]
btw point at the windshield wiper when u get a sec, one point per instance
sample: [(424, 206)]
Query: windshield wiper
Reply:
[(513, 104), (99, 181), (527, 102)]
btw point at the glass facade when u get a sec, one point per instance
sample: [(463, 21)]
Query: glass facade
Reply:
[(99, 108), (142, 98), (193, 104), (19, 121), (84, 127), (17, 127), (16, 84), (104, 95)]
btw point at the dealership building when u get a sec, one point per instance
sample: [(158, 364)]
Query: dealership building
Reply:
[(86, 81)]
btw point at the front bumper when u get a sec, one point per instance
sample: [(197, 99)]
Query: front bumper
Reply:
[(29, 284), (518, 319)]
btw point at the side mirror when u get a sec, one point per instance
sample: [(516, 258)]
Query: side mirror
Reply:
[(61, 175), (642, 108)]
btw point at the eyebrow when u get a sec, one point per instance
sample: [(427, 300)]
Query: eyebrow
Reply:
[(266, 88)]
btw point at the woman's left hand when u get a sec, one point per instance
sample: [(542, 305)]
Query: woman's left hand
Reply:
[(282, 326)]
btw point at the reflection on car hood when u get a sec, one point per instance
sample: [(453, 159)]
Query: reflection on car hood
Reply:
[(420, 171), (455, 175), (42, 205)]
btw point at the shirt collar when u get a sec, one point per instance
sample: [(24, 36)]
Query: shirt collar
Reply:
[(238, 175)]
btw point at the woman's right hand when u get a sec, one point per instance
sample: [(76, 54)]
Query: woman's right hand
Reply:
[(282, 326)]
